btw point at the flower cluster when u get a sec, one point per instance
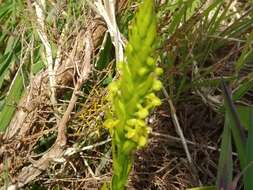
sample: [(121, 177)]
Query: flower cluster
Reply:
[(132, 95)]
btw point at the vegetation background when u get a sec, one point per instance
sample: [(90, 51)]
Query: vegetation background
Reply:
[(57, 59)]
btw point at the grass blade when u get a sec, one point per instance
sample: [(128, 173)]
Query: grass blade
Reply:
[(247, 51), (12, 99), (235, 125), (248, 182), (245, 86), (225, 166)]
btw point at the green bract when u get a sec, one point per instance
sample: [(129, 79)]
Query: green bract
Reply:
[(132, 95)]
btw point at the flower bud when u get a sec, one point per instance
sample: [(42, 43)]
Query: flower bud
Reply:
[(157, 85)]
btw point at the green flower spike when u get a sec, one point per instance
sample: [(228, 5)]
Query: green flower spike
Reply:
[(132, 95)]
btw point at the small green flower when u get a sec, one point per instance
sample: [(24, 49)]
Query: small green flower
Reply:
[(130, 133), (136, 131), (158, 71), (154, 101), (110, 124), (142, 142), (157, 85), (142, 112), (128, 146), (150, 61), (143, 71)]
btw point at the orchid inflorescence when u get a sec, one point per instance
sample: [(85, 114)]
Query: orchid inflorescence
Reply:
[(132, 95)]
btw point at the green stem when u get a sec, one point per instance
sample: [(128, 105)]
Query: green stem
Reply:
[(124, 164)]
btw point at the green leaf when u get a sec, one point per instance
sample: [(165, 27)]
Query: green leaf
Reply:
[(215, 82), (225, 166), (107, 80), (104, 187), (104, 54), (235, 124), (6, 61), (247, 51), (5, 9), (212, 24), (245, 115), (11, 101), (211, 8), (38, 66), (243, 88), (220, 18), (179, 15), (239, 26), (248, 182), (11, 44)]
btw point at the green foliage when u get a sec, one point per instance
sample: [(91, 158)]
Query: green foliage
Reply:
[(12, 72), (11, 101), (248, 182), (247, 51), (237, 120), (105, 56), (192, 39), (243, 143), (18, 57), (235, 126), (44, 143), (132, 95), (225, 167)]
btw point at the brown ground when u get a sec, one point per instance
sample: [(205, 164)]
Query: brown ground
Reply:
[(163, 164)]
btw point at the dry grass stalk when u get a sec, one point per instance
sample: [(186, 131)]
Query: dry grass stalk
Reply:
[(106, 9), (181, 134), (40, 7)]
